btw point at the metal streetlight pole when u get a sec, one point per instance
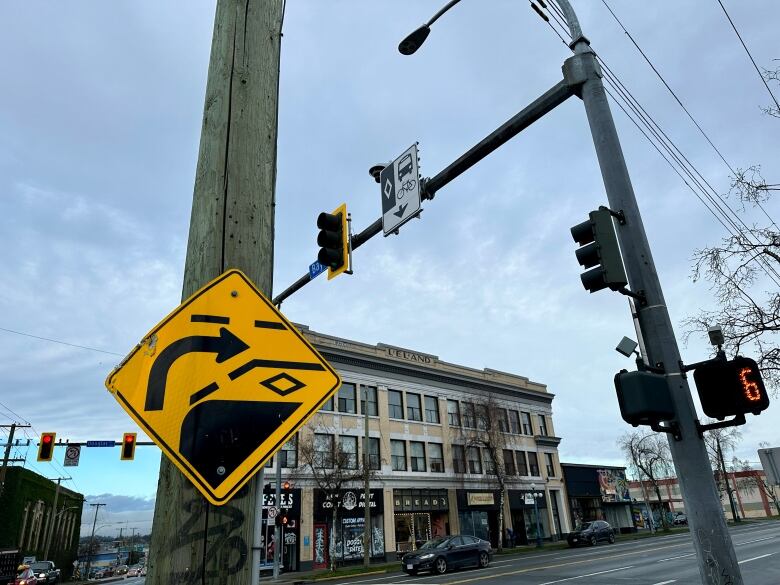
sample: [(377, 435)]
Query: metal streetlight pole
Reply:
[(536, 514), (714, 550)]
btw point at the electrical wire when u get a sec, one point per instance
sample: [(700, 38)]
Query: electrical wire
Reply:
[(739, 36), (59, 341), (682, 161), (680, 103)]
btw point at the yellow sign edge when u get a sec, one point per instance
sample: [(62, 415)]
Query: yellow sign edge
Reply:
[(191, 474), (342, 209)]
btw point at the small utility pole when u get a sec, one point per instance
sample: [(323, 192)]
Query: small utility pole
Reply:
[(231, 226), (277, 528), (366, 488), (7, 455), (53, 517), (92, 539)]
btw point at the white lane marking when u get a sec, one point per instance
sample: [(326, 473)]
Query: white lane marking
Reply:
[(588, 575), (673, 558), (756, 540), (755, 558), (666, 582)]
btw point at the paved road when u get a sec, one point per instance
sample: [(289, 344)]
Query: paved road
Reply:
[(663, 560)]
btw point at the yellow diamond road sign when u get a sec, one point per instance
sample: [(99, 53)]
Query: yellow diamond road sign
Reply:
[(222, 383)]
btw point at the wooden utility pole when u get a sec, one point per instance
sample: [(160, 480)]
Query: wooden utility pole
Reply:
[(7, 455), (232, 226)]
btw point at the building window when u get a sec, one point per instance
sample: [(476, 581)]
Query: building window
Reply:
[(453, 413), (417, 454), (503, 420), (323, 450), (328, 406), (533, 464), (550, 463), (475, 465), (514, 422), (522, 464), (395, 402), (509, 462), (413, 407), (542, 425), (435, 457), (432, 409), (458, 459), (347, 398), (373, 407), (349, 452), (288, 455), (398, 455), (489, 464), (527, 428), (469, 416), (374, 460), (483, 422)]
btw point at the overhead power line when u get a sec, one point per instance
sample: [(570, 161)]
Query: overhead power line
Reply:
[(60, 342), (753, 61)]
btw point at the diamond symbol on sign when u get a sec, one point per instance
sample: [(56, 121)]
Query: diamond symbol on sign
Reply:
[(388, 188), (295, 384)]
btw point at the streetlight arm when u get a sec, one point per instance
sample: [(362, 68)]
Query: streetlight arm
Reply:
[(438, 15), (571, 19)]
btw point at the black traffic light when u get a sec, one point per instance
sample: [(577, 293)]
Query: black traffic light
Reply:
[(128, 447), (333, 240), (730, 387), (286, 485), (46, 446), (600, 252)]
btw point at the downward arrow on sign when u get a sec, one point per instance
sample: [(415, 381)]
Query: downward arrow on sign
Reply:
[(401, 209)]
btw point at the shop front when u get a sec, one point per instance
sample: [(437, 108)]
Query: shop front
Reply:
[(600, 493), (344, 543), (524, 516), (419, 514), (290, 507), (478, 514)]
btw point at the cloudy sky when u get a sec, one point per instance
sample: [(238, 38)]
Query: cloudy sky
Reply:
[(100, 120)]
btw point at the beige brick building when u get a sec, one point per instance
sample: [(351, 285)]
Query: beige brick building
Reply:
[(429, 480)]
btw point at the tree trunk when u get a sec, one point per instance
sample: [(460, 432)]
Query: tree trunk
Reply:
[(664, 519), (501, 517), (333, 538)]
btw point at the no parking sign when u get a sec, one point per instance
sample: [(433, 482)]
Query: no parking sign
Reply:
[(72, 454)]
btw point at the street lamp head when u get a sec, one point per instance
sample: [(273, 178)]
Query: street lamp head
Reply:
[(414, 39)]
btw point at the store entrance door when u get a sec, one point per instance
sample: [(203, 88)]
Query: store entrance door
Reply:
[(518, 523)]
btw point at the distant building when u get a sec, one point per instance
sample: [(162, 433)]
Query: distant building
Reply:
[(430, 480), (751, 499), (599, 492), (27, 513)]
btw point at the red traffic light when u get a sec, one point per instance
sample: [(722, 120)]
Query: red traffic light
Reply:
[(286, 485), (730, 388), (46, 446), (128, 447)]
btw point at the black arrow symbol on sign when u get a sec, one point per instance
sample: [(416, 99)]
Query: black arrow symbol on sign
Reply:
[(225, 346), (401, 209)]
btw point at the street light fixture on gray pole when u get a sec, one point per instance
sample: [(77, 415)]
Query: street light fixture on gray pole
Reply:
[(537, 495), (714, 549)]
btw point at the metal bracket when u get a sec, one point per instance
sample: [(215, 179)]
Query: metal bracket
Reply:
[(719, 357), (349, 244), (672, 428), (734, 422), (643, 367), (619, 215), (424, 193), (639, 295)]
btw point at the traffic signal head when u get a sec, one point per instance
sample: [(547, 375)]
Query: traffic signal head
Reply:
[(333, 240), (128, 447), (46, 446), (286, 485), (644, 398), (729, 388), (599, 252)]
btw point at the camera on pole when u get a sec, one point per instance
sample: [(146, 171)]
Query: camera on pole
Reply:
[(599, 252)]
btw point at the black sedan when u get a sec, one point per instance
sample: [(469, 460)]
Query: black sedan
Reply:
[(447, 552), (591, 532)]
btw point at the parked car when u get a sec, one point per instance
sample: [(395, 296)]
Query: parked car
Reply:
[(143, 572), (134, 571), (25, 576), (591, 533), (121, 569), (447, 552), (680, 519), (45, 571)]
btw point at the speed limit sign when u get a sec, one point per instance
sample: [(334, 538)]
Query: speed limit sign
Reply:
[(273, 511)]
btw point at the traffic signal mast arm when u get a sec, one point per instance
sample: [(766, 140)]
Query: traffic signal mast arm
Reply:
[(544, 104)]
